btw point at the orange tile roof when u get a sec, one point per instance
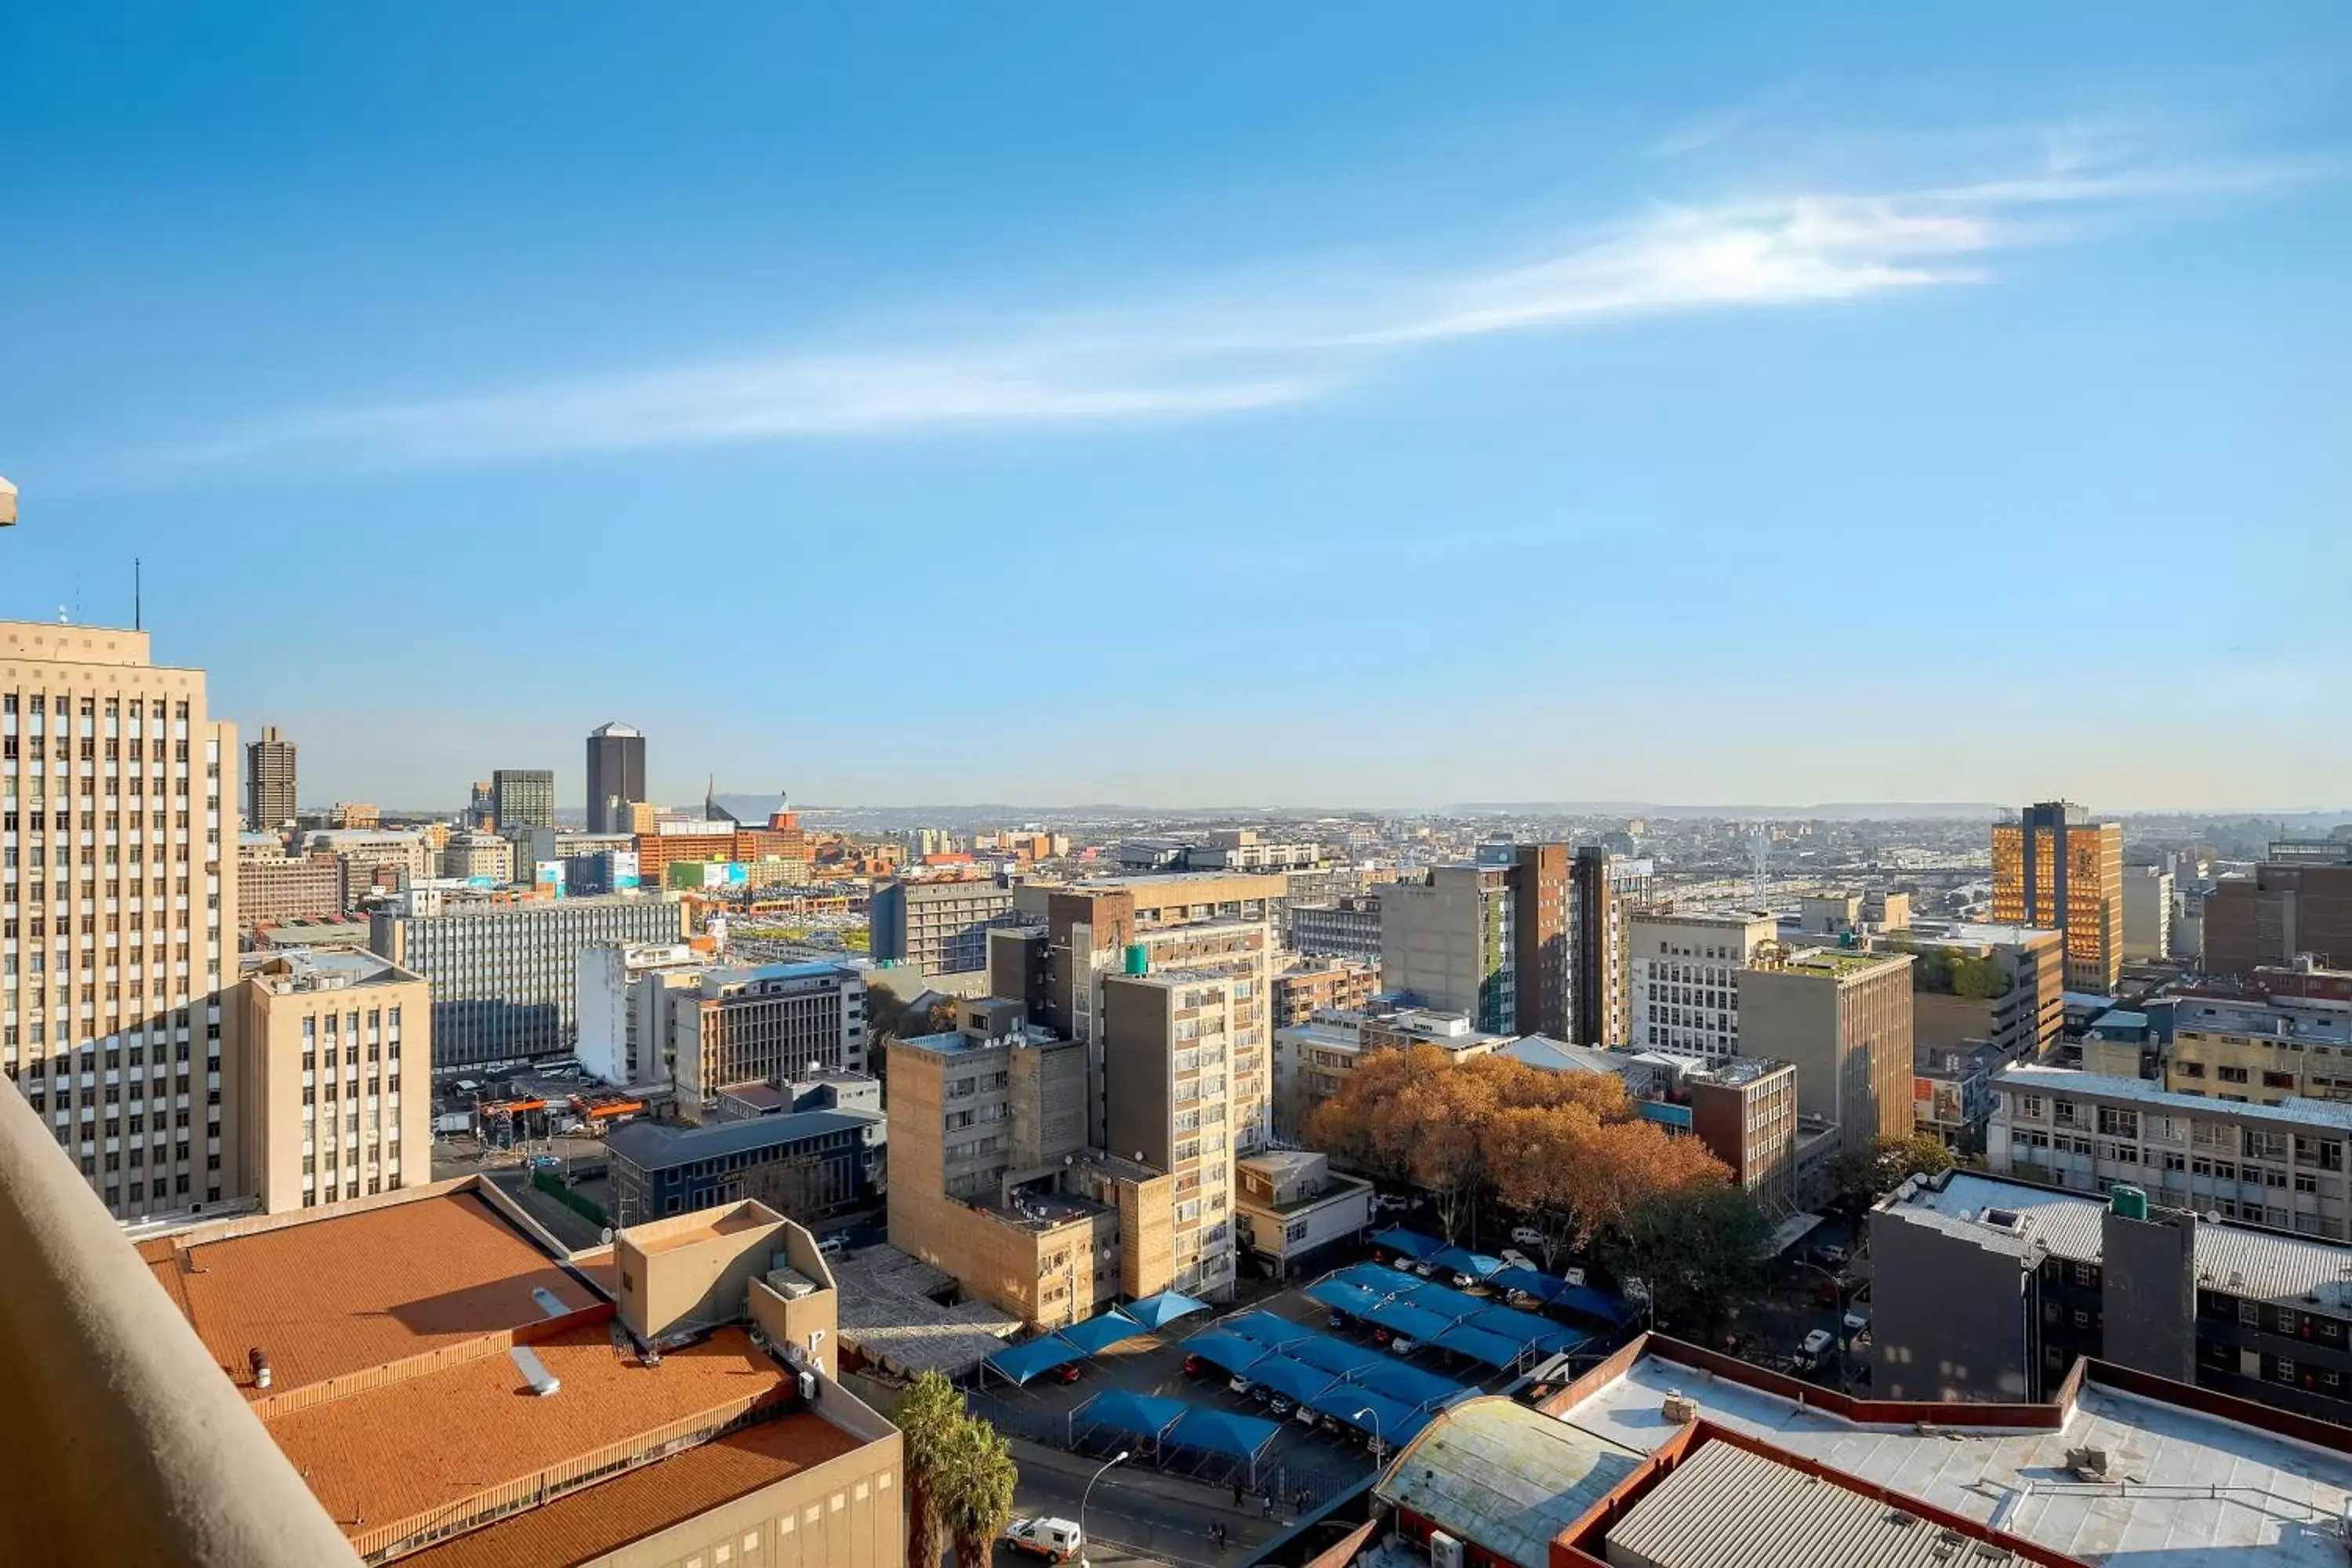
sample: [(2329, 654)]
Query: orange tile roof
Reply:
[(346, 1292), (427, 1445), (630, 1507)]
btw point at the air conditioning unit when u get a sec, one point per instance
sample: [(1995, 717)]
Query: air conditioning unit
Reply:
[(1445, 1552)]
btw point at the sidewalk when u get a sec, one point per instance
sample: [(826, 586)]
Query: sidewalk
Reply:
[(1190, 1507)]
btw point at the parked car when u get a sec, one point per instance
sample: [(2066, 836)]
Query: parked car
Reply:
[(1464, 1282), (1516, 1258), (1260, 1394), (833, 1246), (1830, 1256), (1304, 1416), (1068, 1372), (1241, 1384), (1391, 1203), (1403, 1344), (1336, 1319), (1279, 1406), (1195, 1366), (1527, 1235), (1055, 1539), (1424, 1267), (1383, 1337), (1857, 1323), (1816, 1344)]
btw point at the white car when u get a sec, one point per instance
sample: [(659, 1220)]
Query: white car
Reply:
[(1857, 1323), (1816, 1344), (1055, 1539), (1525, 1236), (1241, 1384), (1391, 1203), (1516, 1258), (1403, 1344)]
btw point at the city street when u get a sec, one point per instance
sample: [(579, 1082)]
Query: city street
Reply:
[(1136, 1517)]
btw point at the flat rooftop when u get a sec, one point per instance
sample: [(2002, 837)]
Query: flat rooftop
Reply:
[(584, 1525), (2197, 1486), (1504, 1478), (2299, 1019), (429, 1446), (337, 1292)]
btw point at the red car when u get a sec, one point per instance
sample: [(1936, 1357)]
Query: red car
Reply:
[(1195, 1366), (1068, 1372)]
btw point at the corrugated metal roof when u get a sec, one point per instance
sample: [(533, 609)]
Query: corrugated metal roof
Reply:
[(651, 1146), (2295, 1112), (2235, 1259), (1724, 1506), (1496, 1474)]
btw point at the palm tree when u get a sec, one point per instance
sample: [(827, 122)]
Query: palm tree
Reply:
[(928, 1420), (975, 1495)]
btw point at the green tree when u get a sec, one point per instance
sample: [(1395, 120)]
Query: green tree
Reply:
[(1696, 1248), (927, 1419), (975, 1496), (1861, 1179)]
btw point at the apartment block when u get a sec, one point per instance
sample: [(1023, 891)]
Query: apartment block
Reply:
[(1312, 1060), (1989, 1288), (269, 782), (1745, 1111), (1685, 977), (2278, 1165), (2260, 1050), (623, 1008), (1168, 1075), (354, 814), (1604, 890), (1543, 961), (506, 976), (1295, 1214), (2147, 913), (117, 882), (992, 1180), (1843, 1020), (1347, 927), (774, 1023), (2004, 985), (2056, 870), (484, 860), (940, 926), (326, 1032), (522, 797), (1311, 985), (1453, 942), (1951, 1092), (271, 890), (375, 860)]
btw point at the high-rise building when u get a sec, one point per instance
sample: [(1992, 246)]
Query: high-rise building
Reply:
[(113, 792), (1541, 901), (2147, 913), (481, 805), (1604, 891), (326, 1114), (522, 797), (506, 975), (1452, 942), (763, 1023), (269, 782), (281, 889), (2057, 869), (1844, 1018), (2004, 985), (1685, 978), (622, 1007), (1347, 927), (616, 777)]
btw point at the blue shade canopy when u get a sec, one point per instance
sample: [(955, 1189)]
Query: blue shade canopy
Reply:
[(1158, 1311), (1378, 1278), (1348, 1298), (1477, 1265), (1294, 1378), (1479, 1344), (1446, 1299), (1231, 1352), (1365, 1411), (1527, 1329), (1147, 1414), (1412, 1243), (1408, 1385), (1098, 1334), (1265, 1329), (1598, 1305), (1217, 1433), (1021, 1362), (1405, 1318), (1529, 1282), (1335, 1356)]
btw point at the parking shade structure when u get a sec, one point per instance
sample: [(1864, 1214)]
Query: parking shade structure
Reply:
[(1229, 1350), (1411, 1243), (1265, 1329), (1021, 1362), (1098, 1334), (1293, 1379), (1156, 1312), (1145, 1414), (1214, 1432)]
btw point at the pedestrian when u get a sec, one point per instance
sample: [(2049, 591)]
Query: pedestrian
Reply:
[(1237, 1491)]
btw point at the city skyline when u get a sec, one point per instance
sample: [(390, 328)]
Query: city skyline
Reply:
[(1935, 414)]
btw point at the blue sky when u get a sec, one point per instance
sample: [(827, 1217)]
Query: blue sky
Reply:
[(1304, 404)]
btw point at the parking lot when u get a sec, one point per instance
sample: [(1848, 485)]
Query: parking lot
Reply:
[(1316, 1461)]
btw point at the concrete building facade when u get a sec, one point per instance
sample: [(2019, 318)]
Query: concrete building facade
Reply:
[(942, 926), (1347, 927), (2027, 968), (268, 891), (2260, 1050), (505, 977), (114, 786), (1311, 985), (2296, 902), (2147, 913), (1685, 978), (807, 1165), (522, 797), (328, 1032), (1452, 942), (1844, 1018), (623, 1008), (1604, 890), (769, 1023), (616, 777), (269, 782)]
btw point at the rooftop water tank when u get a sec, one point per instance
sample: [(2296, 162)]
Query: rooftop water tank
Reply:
[(1139, 959), (2130, 1203)]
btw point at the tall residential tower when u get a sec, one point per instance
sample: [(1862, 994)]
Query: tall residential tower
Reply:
[(616, 777), (2057, 869), (269, 782)]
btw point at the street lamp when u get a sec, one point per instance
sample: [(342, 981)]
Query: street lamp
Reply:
[(1380, 1444), (1087, 1542)]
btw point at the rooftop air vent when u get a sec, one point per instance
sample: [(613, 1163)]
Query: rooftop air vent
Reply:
[(534, 1370)]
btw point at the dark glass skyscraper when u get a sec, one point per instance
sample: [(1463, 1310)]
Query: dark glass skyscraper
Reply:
[(616, 777)]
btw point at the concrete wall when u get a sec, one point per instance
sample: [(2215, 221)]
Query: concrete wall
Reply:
[(1950, 1316), (696, 1268), (848, 1512), (2149, 1272), (1137, 1079)]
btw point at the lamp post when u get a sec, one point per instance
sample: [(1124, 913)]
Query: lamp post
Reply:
[(1379, 1444), (1087, 1542)]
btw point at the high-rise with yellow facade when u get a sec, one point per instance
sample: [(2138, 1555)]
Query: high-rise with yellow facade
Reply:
[(2057, 870), (118, 893)]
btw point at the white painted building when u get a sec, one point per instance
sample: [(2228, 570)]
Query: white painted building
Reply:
[(1686, 978)]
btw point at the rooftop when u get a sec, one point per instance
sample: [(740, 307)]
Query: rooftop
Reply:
[(652, 1146), (2197, 1486), (322, 969), (586, 1524), (1842, 963), (329, 1295), (1962, 932), (2294, 1112), (1495, 1474), (2235, 1259), (2286, 1018)]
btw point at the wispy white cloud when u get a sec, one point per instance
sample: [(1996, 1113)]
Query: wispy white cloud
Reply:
[(1205, 352), (1708, 130)]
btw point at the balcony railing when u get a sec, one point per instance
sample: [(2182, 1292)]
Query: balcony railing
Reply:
[(123, 1442)]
